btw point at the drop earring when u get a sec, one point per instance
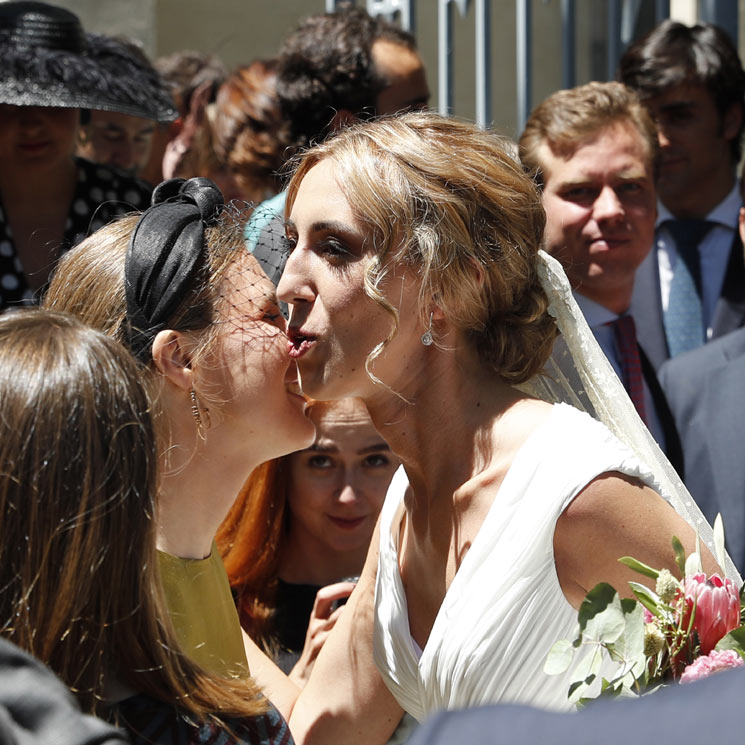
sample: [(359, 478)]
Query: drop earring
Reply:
[(427, 338), (195, 408)]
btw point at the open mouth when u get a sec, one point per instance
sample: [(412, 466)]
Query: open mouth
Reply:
[(300, 343)]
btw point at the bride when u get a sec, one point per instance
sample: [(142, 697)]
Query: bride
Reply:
[(414, 282)]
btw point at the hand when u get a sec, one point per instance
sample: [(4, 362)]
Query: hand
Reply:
[(324, 616)]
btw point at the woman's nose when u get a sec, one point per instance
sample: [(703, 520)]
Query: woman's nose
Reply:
[(294, 287)]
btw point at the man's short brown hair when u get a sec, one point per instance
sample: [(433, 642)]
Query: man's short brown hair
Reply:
[(570, 118)]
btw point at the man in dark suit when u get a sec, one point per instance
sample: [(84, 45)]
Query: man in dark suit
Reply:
[(593, 149), (706, 392), (691, 288), (707, 711)]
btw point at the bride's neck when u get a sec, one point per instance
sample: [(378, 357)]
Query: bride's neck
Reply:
[(444, 429)]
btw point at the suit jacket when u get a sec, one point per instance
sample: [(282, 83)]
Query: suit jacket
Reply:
[(646, 303), (706, 392), (701, 712), (672, 448)]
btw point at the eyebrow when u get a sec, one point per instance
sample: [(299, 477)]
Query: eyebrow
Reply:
[(324, 226), (321, 448), (111, 127), (677, 105)]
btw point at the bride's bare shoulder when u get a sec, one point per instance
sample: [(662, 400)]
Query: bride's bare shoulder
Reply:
[(525, 416)]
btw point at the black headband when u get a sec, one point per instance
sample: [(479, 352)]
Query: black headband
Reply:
[(165, 253)]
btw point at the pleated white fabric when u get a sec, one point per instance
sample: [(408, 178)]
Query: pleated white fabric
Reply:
[(504, 608)]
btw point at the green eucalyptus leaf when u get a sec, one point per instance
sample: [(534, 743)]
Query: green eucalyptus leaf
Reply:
[(680, 555), (601, 615), (639, 567), (559, 658), (648, 598), (719, 540), (585, 673), (735, 640), (629, 647)]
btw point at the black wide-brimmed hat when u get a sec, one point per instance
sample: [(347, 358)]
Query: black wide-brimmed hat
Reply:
[(47, 59)]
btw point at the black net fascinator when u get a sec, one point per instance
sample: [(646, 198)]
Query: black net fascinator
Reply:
[(166, 252)]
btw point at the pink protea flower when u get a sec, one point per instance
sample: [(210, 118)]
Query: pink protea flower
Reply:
[(714, 662), (717, 604)]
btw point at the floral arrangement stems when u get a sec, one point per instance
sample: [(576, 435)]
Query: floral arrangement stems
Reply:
[(681, 631)]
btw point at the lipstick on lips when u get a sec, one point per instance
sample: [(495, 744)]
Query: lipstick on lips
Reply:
[(347, 523)]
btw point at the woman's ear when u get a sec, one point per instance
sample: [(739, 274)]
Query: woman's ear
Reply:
[(172, 352)]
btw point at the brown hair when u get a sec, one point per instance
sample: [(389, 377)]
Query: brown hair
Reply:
[(568, 119), (675, 54), (250, 135), (447, 198), (78, 570), (89, 283)]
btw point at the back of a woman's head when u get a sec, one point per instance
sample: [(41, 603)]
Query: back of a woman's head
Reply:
[(450, 200), (76, 491), (250, 134)]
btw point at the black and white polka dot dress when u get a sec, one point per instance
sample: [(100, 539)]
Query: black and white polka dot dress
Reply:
[(101, 194)]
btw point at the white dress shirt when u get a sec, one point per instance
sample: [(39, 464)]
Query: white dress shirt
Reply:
[(714, 252), (597, 316)]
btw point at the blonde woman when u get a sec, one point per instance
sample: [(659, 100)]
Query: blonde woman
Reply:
[(415, 284)]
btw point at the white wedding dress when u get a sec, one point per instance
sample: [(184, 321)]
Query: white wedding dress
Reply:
[(504, 608)]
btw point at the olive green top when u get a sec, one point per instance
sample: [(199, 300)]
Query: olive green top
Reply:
[(197, 594)]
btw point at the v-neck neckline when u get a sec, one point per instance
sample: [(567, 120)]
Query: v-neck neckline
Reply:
[(395, 535)]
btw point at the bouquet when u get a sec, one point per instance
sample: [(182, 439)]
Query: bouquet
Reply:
[(683, 630)]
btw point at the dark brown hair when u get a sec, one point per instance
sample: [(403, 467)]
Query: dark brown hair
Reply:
[(673, 54), (78, 569), (327, 65)]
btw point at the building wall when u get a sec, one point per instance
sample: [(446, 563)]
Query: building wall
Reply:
[(239, 31)]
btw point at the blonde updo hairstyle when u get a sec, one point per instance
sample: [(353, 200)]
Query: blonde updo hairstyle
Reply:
[(450, 200)]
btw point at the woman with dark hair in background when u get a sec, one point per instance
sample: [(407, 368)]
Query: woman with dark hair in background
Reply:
[(78, 507)]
